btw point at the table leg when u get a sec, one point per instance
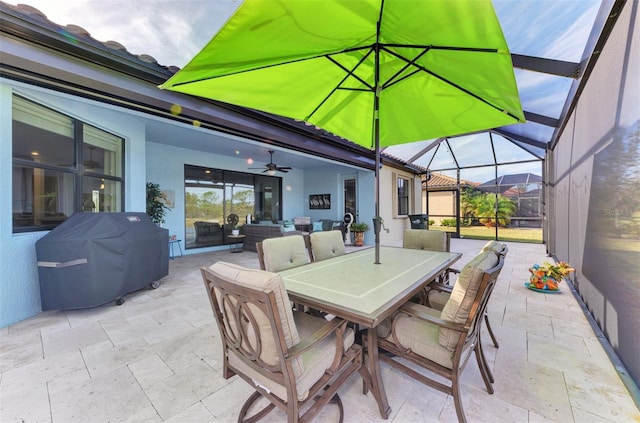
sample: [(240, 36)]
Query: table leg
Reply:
[(373, 363)]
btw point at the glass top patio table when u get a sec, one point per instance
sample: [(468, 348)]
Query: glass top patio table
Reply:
[(352, 287)]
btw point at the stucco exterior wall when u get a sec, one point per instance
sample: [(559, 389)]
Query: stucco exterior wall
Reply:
[(19, 285)]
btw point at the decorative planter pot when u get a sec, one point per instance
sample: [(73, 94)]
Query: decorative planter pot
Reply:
[(358, 239), (235, 232)]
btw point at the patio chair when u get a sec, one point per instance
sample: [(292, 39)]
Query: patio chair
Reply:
[(443, 341), (276, 254), (325, 245), (295, 361), (421, 239), (438, 294)]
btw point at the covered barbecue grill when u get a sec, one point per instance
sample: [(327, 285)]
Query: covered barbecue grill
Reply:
[(94, 258)]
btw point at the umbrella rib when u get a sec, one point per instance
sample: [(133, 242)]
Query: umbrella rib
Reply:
[(177, 84), (451, 83), (337, 87), (391, 81), (350, 72), (432, 47)]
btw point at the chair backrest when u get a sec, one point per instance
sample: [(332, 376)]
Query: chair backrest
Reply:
[(255, 320), (470, 295), (325, 245), (276, 254), (421, 239), (494, 246)]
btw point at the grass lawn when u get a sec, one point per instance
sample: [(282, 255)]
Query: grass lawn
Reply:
[(504, 234)]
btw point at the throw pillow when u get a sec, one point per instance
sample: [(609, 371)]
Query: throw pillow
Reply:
[(317, 226)]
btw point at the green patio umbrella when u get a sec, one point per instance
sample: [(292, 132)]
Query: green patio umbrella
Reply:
[(375, 72)]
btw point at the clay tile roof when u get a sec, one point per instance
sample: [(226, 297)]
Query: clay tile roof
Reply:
[(439, 180), (114, 45), (85, 37), (29, 10), (78, 30)]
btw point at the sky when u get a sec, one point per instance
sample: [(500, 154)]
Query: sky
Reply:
[(172, 31)]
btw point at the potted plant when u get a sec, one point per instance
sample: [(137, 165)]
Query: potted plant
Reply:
[(358, 230), (156, 203), (547, 277)]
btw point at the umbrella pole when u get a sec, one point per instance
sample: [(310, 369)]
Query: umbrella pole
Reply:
[(376, 136), (376, 228)]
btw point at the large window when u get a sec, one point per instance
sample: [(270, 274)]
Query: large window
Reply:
[(61, 166), (214, 198)]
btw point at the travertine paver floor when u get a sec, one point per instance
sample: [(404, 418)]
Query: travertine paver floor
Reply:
[(157, 358)]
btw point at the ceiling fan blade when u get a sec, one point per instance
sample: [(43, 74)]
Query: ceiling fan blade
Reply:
[(283, 168)]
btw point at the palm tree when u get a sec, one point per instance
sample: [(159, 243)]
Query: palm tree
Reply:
[(486, 207)]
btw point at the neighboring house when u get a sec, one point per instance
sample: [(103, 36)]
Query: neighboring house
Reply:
[(525, 190), (83, 127), (439, 196)]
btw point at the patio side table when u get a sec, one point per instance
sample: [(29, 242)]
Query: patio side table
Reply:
[(172, 242), (237, 243)]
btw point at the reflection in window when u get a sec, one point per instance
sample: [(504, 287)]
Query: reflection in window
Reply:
[(215, 199), (60, 166)]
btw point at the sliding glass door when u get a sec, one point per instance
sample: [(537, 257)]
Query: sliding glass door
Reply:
[(218, 201)]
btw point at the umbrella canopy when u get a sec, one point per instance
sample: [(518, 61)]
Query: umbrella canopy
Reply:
[(376, 72)]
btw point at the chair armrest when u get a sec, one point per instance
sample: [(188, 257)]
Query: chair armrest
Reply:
[(415, 310), (444, 276), (439, 286), (308, 343)]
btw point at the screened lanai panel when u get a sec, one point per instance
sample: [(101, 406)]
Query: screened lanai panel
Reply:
[(476, 175), (442, 159), (472, 150), (552, 29), (507, 174), (507, 151), (531, 130), (408, 150), (535, 151), (543, 94)]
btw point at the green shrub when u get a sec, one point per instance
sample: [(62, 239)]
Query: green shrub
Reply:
[(448, 222)]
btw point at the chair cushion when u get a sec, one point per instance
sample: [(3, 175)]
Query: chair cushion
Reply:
[(284, 253), (438, 299), (316, 360), (494, 246), (325, 245), (420, 239), (463, 294), (422, 337)]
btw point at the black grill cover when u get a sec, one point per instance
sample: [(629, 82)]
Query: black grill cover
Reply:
[(94, 258)]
